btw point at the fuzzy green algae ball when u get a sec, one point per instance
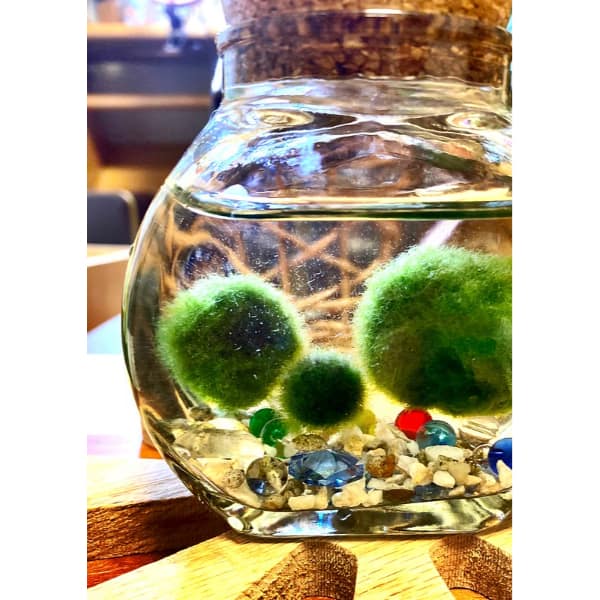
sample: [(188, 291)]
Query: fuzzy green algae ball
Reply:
[(434, 330), (323, 389), (229, 339)]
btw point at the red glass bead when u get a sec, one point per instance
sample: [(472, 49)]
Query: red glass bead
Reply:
[(410, 420)]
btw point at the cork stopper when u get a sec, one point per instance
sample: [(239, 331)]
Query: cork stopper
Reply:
[(490, 12), (336, 45)]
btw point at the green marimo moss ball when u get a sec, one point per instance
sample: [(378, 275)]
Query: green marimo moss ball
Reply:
[(323, 389), (434, 330), (229, 339)]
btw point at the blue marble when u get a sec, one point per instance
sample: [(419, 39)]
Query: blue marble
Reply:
[(436, 433), (500, 450), (326, 468)]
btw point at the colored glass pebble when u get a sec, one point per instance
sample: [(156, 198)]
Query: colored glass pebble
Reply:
[(436, 433), (410, 420), (366, 420), (266, 476), (500, 450), (273, 431), (326, 468), (259, 419)]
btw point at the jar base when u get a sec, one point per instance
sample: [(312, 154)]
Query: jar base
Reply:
[(447, 516)]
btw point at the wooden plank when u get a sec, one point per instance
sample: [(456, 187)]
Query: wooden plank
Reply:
[(387, 568), (104, 569), (139, 509), (94, 250), (105, 277), (122, 31), (147, 101), (134, 178), (139, 506)]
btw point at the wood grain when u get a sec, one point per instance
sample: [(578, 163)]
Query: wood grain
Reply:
[(147, 101), (387, 568), (139, 506), (103, 569), (469, 562), (105, 276)]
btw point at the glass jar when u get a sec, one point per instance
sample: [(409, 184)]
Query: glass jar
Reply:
[(317, 309)]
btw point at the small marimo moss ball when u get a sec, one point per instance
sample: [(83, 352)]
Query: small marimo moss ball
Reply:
[(323, 389), (434, 330), (229, 339)]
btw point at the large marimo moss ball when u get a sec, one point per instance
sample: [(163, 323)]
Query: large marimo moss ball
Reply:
[(434, 330), (229, 339), (322, 389)]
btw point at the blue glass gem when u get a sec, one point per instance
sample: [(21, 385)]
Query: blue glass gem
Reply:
[(501, 450), (436, 433), (326, 468)]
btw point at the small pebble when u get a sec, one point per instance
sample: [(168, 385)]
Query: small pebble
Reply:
[(489, 484), (433, 453), (352, 494), (308, 442), (374, 497), (225, 424), (460, 471), (234, 478), (391, 483), (354, 445), (457, 491), (413, 447), (471, 481), (321, 499), (420, 474), (504, 475), (380, 466), (389, 434), (444, 479), (302, 502), (403, 462)]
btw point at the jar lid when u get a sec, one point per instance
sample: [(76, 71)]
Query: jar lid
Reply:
[(490, 12)]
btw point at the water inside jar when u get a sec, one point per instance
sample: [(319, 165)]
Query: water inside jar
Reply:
[(285, 294)]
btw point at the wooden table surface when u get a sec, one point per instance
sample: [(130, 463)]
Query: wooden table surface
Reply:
[(115, 446)]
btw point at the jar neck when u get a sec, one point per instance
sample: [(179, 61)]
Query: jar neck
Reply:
[(392, 97), (393, 47)]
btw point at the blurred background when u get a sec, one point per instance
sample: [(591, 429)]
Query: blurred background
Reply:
[(150, 67)]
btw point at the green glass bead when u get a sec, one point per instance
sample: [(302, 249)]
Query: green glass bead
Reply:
[(273, 431), (259, 419)]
